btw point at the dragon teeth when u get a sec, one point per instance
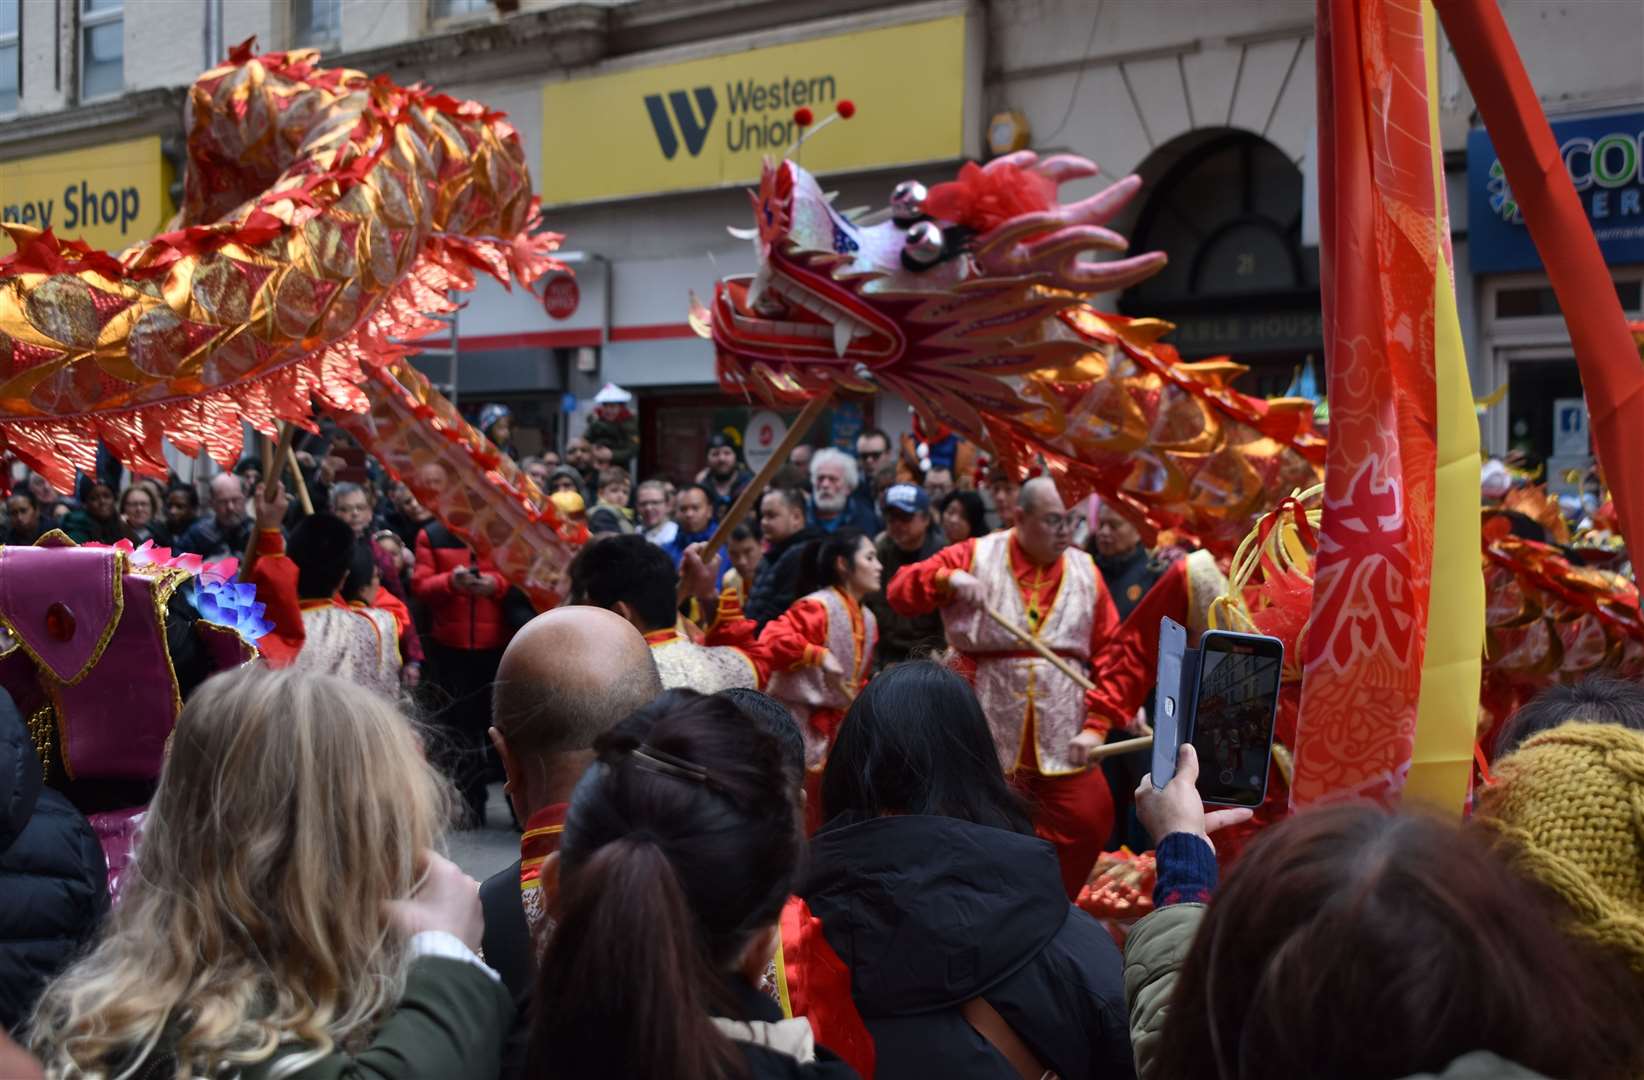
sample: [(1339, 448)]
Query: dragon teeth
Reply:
[(843, 330)]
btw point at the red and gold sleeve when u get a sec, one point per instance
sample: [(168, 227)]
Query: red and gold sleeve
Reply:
[(923, 587), (733, 629), (798, 638), (275, 576), (1123, 666)]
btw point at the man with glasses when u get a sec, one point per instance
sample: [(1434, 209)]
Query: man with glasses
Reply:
[(1042, 729), (872, 454), (227, 530)]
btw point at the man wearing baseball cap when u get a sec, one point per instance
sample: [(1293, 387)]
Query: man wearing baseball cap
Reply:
[(909, 537)]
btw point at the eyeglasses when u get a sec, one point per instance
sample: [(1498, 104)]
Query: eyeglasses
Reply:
[(871, 455), (1059, 522)]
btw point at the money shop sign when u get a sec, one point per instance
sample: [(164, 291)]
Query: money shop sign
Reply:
[(111, 196)]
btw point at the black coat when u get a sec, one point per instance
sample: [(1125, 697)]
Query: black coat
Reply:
[(777, 585), (53, 879), (930, 912)]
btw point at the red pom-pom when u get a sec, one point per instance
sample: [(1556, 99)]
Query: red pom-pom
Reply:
[(803, 116), (984, 198), (847, 109)]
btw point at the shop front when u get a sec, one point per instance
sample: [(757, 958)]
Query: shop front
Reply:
[(1538, 407)]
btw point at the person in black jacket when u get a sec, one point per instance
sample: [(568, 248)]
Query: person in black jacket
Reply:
[(53, 880), (679, 851), (967, 961), (782, 524)]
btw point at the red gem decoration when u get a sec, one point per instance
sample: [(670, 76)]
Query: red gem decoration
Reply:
[(847, 109), (59, 621), (803, 116)]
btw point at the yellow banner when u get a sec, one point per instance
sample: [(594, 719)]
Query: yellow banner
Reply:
[(708, 123), (110, 196), (1441, 765)]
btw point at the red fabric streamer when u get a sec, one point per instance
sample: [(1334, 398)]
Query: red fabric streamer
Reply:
[(1605, 354)]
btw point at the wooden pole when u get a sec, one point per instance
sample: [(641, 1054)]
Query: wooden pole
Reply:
[(271, 455), (298, 482), (1114, 749), (1041, 648), (750, 494)]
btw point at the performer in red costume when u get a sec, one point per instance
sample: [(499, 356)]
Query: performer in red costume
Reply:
[(1041, 726), (821, 649), (635, 578), (314, 628)]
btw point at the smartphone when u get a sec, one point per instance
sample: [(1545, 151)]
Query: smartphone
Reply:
[(1235, 702), (1168, 706)]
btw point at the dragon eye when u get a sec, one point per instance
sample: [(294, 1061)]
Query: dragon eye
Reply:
[(923, 246), (906, 200)]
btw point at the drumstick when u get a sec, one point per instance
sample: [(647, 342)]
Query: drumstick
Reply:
[(1041, 648)]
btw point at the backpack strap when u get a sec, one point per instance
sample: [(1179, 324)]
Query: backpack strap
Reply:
[(1003, 1038)]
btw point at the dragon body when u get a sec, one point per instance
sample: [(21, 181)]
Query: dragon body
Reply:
[(327, 217)]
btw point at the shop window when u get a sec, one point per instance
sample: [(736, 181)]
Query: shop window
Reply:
[(11, 54), (440, 10), (102, 48), (315, 23), (1532, 301)]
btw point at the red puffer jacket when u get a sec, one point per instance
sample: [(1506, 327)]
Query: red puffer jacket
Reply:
[(462, 620)]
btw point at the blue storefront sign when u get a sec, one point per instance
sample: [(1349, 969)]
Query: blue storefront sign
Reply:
[(1605, 159)]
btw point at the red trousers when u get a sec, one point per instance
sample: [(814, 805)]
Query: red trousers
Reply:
[(1073, 812)]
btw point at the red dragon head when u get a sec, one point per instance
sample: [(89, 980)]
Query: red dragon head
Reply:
[(938, 298), (970, 301)]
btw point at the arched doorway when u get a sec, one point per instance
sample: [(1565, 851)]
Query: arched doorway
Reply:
[(1226, 205)]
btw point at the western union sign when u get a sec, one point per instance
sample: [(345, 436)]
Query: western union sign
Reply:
[(110, 196), (709, 123)]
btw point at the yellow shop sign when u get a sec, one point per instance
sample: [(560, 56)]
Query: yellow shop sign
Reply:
[(110, 196), (708, 123)]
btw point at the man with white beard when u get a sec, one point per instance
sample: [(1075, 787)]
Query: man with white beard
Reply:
[(834, 498)]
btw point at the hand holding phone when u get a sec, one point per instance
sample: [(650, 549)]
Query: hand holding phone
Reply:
[(1222, 698), (1177, 807)]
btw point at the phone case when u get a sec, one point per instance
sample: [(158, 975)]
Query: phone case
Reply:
[(1170, 708)]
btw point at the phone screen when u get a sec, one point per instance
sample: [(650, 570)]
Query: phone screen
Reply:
[(1234, 707)]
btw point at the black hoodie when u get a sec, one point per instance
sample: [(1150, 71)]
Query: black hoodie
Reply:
[(929, 912), (53, 880)]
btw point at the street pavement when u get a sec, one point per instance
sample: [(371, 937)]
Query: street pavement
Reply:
[(482, 852)]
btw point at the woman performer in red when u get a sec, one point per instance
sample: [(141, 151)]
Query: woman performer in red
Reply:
[(821, 648)]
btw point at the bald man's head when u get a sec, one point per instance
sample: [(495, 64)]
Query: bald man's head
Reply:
[(1044, 528), (568, 677)]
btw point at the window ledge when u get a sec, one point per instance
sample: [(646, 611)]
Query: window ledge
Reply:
[(154, 111)]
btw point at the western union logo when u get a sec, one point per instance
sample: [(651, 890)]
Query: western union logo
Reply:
[(709, 122), (746, 96), (695, 133)]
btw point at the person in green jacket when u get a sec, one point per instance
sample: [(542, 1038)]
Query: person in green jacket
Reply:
[(614, 425), (97, 521), (286, 914), (1353, 941)]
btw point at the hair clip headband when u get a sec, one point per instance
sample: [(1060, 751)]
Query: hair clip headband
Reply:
[(651, 759)]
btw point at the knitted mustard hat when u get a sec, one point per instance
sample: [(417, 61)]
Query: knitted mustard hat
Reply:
[(1571, 800)]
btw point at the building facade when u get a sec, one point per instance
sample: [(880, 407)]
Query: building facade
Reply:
[(646, 119)]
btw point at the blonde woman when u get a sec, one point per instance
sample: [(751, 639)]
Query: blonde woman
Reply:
[(285, 914)]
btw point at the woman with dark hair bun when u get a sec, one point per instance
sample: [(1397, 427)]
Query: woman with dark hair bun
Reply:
[(966, 959), (1359, 943), (680, 849), (821, 649)]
